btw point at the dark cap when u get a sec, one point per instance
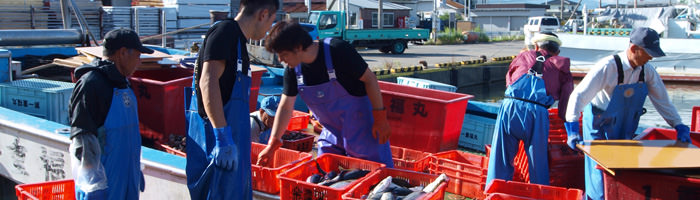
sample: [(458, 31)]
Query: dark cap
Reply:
[(648, 39), (123, 37)]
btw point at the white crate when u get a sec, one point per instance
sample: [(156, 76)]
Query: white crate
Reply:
[(38, 97), (477, 131), (423, 83)]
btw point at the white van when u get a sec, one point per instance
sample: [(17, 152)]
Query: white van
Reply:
[(539, 24)]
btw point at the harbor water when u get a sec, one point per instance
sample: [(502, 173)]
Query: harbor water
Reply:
[(683, 95)]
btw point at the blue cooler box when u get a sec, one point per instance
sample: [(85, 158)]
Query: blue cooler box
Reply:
[(38, 97)]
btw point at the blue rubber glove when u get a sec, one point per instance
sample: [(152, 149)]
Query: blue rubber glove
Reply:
[(573, 137), (224, 151), (682, 133)]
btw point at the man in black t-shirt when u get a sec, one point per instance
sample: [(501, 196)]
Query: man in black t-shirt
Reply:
[(218, 139), (340, 90)]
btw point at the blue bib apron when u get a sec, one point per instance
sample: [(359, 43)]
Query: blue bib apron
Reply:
[(204, 179), (618, 121), (523, 116), (347, 120), (121, 154)]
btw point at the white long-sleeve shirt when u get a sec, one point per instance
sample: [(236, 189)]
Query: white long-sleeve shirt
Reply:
[(598, 85)]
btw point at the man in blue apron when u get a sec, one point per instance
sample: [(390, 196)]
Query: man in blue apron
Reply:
[(106, 143), (261, 121), (218, 138), (340, 90), (535, 79), (611, 97)]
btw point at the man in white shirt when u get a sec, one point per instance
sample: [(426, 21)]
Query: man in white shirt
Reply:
[(611, 97), (261, 120)]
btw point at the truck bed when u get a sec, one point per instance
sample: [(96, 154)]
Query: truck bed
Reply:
[(387, 34)]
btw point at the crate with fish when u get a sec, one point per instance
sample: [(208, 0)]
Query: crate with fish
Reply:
[(516, 190), (467, 172), (297, 140), (265, 179), (410, 159), (328, 176), (388, 183)]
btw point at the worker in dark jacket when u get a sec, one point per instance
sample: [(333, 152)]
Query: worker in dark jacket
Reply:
[(536, 79), (106, 144)]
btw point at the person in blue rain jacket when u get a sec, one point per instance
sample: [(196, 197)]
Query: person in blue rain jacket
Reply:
[(105, 144), (218, 137), (611, 96)]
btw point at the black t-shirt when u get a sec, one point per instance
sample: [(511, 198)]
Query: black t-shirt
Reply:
[(349, 67), (221, 43), (92, 96)]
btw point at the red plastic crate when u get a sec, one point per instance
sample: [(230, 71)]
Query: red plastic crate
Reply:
[(294, 185), (533, 191), (412, 177), (666, 134), (695, 119), (265, 179), (161, 101), (501, 196), (629, 184), (299, 121), (467, 172), (409, 108), (410, 159), (54, 190), (520, 163), (305, 144)]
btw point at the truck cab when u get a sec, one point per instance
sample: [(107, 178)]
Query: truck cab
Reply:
[(395, 40), (329, 23)]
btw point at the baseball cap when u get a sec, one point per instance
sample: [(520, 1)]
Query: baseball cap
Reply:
[(648, 39), (269, 105), (124, 37)]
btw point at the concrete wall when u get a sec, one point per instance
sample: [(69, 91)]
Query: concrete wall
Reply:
[(463, 76)]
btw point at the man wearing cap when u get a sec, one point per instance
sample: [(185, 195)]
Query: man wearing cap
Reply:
[(535, 79), (611, 97), (106, 143), (261, 120)]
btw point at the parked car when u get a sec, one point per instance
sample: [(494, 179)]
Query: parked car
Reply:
[(313, 31), (539, 24)]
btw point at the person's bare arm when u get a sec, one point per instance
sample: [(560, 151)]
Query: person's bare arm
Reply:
[(211, 91)]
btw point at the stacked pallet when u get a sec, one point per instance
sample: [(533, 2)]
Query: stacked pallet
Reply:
[(41, 14), (195, 12), (149, 3), (144, 20)]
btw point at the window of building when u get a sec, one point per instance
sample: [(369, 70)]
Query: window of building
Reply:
[(388, 19)]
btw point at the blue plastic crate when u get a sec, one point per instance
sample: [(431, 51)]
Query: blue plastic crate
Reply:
[(38, 97), (476, 132), (424, 83)]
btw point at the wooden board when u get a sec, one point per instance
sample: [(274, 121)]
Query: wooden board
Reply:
[(642, 154), (145, 58)]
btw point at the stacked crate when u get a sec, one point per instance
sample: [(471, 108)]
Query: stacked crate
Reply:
[(144, 20), (195, 12)]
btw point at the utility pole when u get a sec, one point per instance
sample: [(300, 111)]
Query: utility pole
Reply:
[(433, 16), (379, 15), (617, 4), (635, 3), (469, 10), (561, 9)]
